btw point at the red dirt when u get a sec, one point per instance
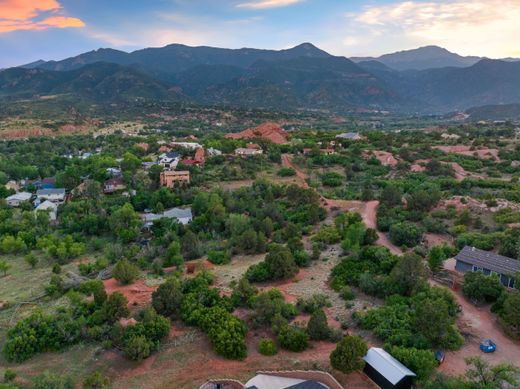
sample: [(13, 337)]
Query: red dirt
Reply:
[(386, 158), (437, 239), (287, 162), (479, 323), (138, 294), (466, 150)]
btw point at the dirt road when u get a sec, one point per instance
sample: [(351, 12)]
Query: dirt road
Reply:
[(476, 324)]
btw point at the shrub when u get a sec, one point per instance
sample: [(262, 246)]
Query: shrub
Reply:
[(286, 172), (9, 375), (348, 355), (332, 179), (405, 233), (293, 338), (53, 381), (313, 303), (167, 299), (125, 272), (96, 380), (267, 347), (480, 287), (347, 293), (219, 257), (115, 307), (317, 327), (138, 348), (421, 362)]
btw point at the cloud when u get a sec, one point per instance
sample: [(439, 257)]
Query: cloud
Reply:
[(465, 26), (264, 4), (34, 15)]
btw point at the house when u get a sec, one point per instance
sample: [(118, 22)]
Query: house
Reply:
[(48, 183), (114, 184), (349, 136), (49, 207), (12, 185), (114, 171), (386, 371), (297, 379), (200, 156), (183, 216), (473, 259), (247, 152), (271, 132), (214, 152), (186, 145), (17, 199), (147, 165), (54, 195), (170, 177), (169, 160)]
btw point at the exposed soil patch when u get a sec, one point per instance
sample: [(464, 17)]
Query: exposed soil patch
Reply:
[(138, 294), (466, 150)]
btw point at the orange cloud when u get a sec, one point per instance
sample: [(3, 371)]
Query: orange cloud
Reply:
[(34, 15)]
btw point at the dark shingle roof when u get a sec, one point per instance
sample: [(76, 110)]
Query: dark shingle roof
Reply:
[(488, 260), (308, 385)]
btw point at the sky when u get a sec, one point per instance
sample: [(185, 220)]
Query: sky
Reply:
[(56, 29)]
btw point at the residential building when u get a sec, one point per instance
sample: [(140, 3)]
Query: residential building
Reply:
[(473, 259), (169, 160), (54, 195), (12, 185), (17, 199), (297, 379), (170, 177), (214, 152), (386, 371), (48, 183), (182, 215), (114, 171), (349, 136), (114, 184), (187, 145), (49, 207), (247, 152)]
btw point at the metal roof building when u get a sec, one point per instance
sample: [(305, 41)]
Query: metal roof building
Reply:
[(473, 259), (386, 371)]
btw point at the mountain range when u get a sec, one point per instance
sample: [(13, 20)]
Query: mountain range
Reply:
[(425, 80)]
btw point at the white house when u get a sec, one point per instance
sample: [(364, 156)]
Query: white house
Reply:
[(183, 215), (49, 207), (187, 145), (214, 152), (54, 195), (243, 152), (349, 135), (169, 160), (18, 198)]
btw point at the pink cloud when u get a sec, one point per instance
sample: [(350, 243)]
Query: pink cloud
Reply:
[(28, 14)]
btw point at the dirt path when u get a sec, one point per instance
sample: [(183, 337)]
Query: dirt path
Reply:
[(476, 324), (287, 162)]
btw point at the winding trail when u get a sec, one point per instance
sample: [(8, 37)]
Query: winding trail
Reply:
[(368, 210)]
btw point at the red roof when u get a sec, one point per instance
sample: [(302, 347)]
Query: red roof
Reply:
[(200, 155), (190, 162), (268, 131)]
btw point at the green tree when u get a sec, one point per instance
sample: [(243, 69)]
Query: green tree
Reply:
[(115, 307), (421, 362), (348, 355), (4, 267), (96, 380), (280, 263), (32, 260), (481, 375), (267, 347), (436, 258), (168, 297), (318, 327), (391, 196), (49, 380), (293, 338), (130, 162), (138, 348), (191, 247), (510, 315), (479, 287), (409, 273), (125, 272), (405, 233), (125, 223)]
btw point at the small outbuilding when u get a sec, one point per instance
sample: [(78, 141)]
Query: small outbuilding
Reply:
[(386, 371), (473, 259)]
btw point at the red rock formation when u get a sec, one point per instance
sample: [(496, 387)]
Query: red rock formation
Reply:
[(268, 131)]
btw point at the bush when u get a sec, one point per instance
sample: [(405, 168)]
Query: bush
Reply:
[(267, 347), (286, 172), (421, 362), (219, 257), (293, 338), (138, 348), (49, 380), (167, 299), (96, 380), (332, 179), (347, 293), (313, 303), (318, 327), (348, 355), (479, 287), (115, 307), (9, 375), (405, 234), (125, 272)]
